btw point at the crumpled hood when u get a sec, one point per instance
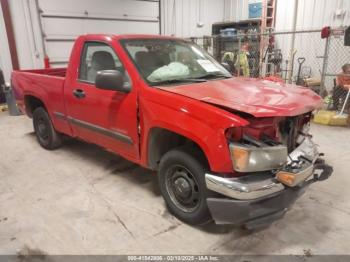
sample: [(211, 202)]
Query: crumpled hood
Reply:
[(260, 98)]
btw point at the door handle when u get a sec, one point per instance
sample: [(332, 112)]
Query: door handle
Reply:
[(79, 93)]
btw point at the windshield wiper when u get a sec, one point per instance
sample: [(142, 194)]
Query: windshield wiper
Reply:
[(180, 80), (213, 75)]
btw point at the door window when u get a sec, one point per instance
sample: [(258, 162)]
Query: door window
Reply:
[(96, 57)]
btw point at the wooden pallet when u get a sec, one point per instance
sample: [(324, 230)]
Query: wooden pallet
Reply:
[(3, 107)]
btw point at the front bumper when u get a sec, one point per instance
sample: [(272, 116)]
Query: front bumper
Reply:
[(253, 213), (258, 199)]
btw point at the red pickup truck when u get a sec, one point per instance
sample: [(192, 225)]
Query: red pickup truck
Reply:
[(233, 150)]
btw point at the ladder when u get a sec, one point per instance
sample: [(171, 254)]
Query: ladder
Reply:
[(267, 25)]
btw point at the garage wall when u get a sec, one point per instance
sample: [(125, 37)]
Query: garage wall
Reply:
[(27, 33), (62, 21), (312, 14), (236, 10), (185, 18), (5, 58)]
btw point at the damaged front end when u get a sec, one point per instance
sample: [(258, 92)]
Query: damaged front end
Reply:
[(275, 159)]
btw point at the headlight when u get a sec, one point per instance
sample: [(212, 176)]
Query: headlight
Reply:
[(246, 158)]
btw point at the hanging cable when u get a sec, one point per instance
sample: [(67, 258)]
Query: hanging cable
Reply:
[(174, 18), (199, 21)]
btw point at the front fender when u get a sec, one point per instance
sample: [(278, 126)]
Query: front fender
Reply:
[(202, 123)]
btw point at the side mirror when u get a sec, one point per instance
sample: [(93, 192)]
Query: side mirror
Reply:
[(111, 80)]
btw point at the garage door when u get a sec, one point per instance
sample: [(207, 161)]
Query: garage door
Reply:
[(62, 21)]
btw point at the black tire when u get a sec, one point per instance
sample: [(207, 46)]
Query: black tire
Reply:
[(182, 183), (46, 134)]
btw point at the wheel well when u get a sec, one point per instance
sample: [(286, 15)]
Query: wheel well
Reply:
[(161, 141), (32, 103)]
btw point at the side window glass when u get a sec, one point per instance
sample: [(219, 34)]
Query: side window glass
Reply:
[(97, 57)]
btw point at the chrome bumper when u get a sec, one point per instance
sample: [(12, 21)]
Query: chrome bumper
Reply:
[(301, 164), (244, 188)]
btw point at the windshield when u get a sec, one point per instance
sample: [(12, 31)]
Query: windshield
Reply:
[(169, 61)]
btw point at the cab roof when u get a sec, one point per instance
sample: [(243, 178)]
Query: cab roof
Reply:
[(129, 36)]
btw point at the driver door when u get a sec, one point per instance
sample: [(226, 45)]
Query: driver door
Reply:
[(104, 117)]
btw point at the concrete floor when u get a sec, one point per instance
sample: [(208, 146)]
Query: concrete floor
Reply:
[(82, 200)]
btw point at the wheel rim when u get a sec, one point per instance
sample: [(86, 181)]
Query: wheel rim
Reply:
[(42, 129), (182, 188)]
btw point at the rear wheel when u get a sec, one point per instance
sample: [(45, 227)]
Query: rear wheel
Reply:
[(46, 134), (182, 182)]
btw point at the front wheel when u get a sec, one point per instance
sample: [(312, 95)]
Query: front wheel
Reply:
[(46, 134), (181, 179)]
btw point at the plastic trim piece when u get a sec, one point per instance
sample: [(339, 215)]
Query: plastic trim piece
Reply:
[(95, 128)]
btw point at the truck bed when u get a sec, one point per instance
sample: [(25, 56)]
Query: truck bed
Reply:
[(59, 72), (45, 84)]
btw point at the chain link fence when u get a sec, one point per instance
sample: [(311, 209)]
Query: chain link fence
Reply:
[(299, 57), (336, 77)]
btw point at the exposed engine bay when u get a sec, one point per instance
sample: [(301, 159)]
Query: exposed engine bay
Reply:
[(288, 131)]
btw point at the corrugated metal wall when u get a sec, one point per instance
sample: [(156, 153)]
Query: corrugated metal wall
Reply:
[(27, 33), (235, 10), (312, 14), (5, 58), (186, 18)]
